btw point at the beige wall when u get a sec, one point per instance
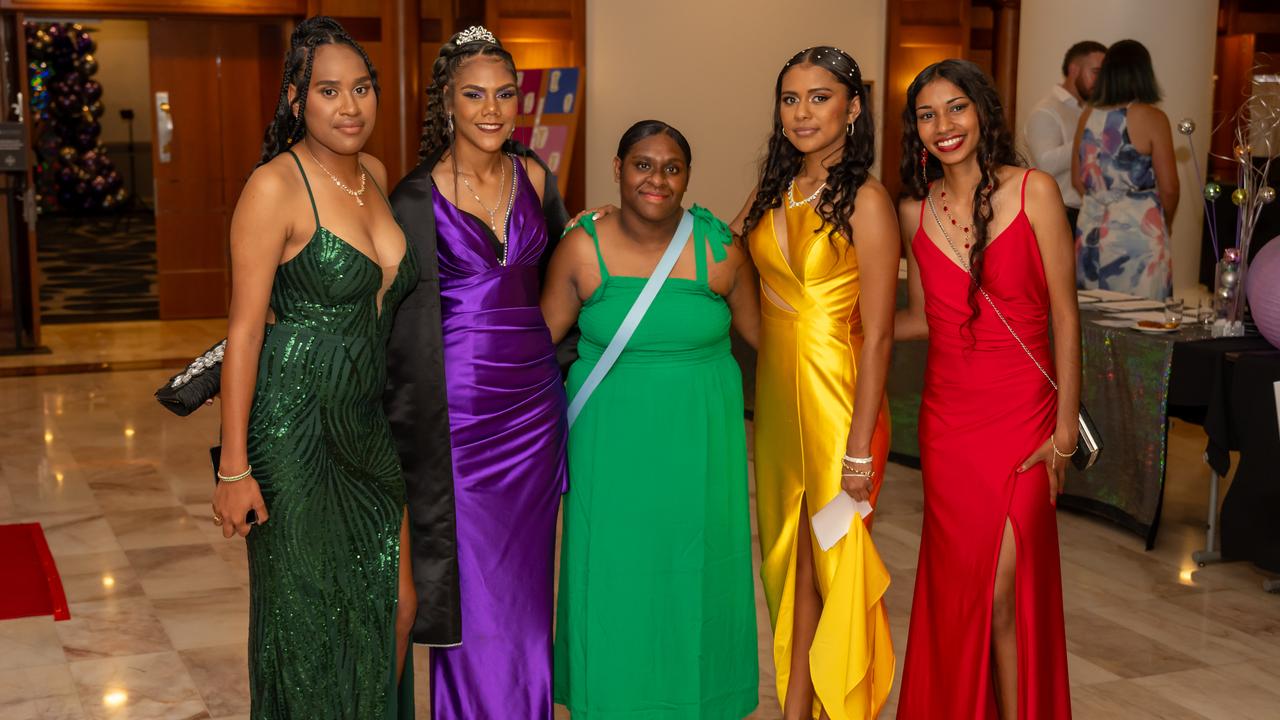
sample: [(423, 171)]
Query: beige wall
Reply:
[(125, 74), (708, 68), (1181, 35)]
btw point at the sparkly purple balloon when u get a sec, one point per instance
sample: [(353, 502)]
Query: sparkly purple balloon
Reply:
[(92, 90)]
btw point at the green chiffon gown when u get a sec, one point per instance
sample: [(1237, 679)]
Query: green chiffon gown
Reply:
[(656, 614), (324, 568)]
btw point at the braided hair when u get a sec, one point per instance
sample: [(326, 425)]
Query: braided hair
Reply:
[(436, 134), (289, 125), (995, 148), (783, 161)]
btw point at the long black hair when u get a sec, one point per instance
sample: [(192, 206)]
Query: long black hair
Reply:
[(783, 161), (435, 127), (995, 148), (649, 128), (289, 124), (1126, 76)]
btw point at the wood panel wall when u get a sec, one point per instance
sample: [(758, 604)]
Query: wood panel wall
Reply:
[(238, 8), (920, 32)]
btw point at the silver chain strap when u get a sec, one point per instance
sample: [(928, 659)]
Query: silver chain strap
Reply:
[(965, 263)]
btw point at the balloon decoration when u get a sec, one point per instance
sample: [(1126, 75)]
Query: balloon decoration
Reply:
[(73, 172), (1263, 289)]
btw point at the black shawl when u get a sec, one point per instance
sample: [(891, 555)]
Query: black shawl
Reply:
[(417, 407)]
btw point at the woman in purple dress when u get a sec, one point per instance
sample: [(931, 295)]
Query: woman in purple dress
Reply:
[(483, 507)]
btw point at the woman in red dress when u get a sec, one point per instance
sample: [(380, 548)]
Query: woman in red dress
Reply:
[(988, 242)]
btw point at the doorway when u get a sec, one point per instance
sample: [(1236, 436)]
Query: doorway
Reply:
[(144, 132), (96, 243)]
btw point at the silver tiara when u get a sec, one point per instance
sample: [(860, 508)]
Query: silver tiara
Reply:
[(476, 33)]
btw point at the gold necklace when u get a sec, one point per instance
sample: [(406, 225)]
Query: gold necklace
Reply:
[(364, 177), (493, 214), (792, 203)]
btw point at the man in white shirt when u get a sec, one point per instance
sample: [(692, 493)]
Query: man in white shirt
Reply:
[(1051, 128)]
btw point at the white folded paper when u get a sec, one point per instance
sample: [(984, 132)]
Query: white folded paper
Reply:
[(832, 522)]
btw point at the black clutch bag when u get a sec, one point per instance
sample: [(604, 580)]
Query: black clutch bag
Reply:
[(1089, 445), (191, 388)]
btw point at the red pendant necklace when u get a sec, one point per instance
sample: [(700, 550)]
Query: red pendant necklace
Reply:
[(946, 208)]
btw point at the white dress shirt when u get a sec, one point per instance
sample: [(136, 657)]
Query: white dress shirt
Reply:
[(1050, 131)]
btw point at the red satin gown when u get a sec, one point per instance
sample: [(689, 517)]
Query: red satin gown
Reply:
[(985, 408)]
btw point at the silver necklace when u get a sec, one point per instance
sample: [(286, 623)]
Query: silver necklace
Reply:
[(364, 177), (792, 203), (493, 214)]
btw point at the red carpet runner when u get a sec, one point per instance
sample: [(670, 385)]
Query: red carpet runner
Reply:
[(31, 585)]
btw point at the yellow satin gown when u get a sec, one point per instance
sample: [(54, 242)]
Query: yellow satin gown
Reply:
[(811, 339)]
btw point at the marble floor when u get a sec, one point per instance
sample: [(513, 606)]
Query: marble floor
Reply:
[(158, 598)]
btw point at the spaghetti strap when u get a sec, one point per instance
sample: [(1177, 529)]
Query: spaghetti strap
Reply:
[(589, 225), (310, 196), (1025, 175)]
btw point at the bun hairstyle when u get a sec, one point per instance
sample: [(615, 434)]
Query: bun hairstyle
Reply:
[(289, 125), (783, 161), (995, 148), (473, 42)]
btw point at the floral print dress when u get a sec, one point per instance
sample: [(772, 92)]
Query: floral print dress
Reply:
[(1122, 242)]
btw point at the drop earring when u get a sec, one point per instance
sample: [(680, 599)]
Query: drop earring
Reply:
[(449, 125), (924, 159)]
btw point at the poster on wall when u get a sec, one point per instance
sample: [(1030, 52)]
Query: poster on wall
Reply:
[(550, 99)]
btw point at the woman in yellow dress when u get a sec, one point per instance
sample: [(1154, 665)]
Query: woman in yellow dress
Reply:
[(823, 235)]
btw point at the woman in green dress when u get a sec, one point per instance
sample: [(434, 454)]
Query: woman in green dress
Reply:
[(656, 615), (319, 265)]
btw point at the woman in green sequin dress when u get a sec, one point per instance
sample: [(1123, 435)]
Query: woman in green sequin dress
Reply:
[(319, 265), (656, 615)]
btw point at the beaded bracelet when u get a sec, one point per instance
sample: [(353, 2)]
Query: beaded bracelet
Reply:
[(858, 460)]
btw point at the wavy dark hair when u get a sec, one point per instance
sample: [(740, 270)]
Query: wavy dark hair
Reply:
[(1126, 76), (649, 128), (289, 125), (435, 127), (995, 148), (782, 160)]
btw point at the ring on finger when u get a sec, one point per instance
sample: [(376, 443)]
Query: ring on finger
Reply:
[(217, 520)]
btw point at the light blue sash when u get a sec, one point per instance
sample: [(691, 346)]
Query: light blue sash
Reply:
[(634, 316)]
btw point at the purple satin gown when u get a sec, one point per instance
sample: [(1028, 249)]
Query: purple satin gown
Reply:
[(508, 430)]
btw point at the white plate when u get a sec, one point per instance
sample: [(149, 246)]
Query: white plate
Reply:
[(1155, 330), (1086, 299)]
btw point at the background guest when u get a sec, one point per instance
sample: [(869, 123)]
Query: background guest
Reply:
[(1124, 168), (1051, 127)]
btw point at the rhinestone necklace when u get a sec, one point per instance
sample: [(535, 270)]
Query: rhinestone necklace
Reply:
[(493, 214), (792, 203), (357, 194)]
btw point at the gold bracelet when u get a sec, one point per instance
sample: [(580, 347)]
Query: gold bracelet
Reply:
[(1054, 445), (234, 478)]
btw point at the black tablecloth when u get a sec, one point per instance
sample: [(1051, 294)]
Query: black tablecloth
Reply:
[(1227, 385)]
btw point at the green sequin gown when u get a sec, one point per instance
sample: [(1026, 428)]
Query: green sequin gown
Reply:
[(324, 569)]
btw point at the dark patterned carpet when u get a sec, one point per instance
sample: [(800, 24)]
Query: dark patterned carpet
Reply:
[(97, 269)]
